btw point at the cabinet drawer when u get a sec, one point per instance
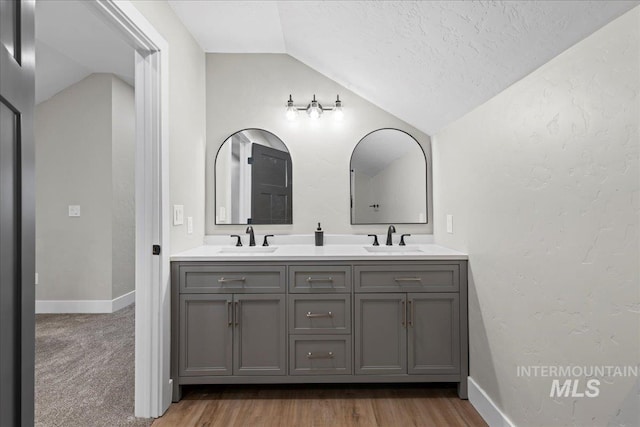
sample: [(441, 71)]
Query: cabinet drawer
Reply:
[(326, 278), (320, 314), (198, 278), (414, 278), (319, 355)]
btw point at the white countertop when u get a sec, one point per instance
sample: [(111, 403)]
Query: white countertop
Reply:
[(309, 252)]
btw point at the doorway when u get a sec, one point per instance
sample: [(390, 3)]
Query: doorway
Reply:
[(152, 386), (85, 219)]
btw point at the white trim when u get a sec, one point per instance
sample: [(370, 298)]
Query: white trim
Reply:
[(487, 409), (85, 306), (123, 301), (152, 348)]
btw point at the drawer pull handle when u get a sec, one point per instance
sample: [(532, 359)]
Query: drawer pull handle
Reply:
[(319, 279), (327, 355), (231, 279), (407, 279), (311, 315), (410, 323), (236, 313)]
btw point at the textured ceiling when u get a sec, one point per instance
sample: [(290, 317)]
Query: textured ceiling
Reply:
[(71, 43), (427, 63)]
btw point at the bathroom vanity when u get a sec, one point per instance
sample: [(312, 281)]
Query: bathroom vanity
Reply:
[(331, 314)]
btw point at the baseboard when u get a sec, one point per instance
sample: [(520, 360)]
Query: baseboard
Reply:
[(86, 306), (485, 406)]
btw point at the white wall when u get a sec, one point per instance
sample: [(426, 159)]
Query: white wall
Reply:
[(186, 121), (362, 209), (250, 91), (543, 183), (84, 138), (396, 199)]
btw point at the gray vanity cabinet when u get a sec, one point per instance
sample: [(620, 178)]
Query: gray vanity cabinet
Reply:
[(320, 320), (229, 321), (260, 339), (415, 333), (358, 321), (206, 335), (433, 333), (380, 336), (232, 335)]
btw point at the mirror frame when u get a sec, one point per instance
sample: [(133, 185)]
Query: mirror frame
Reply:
[(215, 195), (426, 181)]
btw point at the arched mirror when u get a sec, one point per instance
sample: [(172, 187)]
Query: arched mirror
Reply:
[(388, 179), (253, 179)]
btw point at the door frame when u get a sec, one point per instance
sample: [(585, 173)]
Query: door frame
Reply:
[(152, 316)]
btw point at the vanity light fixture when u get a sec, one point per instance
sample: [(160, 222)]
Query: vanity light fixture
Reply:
[(314, 109)]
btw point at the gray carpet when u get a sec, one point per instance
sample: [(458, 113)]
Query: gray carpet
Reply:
[(85, 370)]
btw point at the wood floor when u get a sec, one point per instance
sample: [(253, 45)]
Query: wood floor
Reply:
[(321, 405)]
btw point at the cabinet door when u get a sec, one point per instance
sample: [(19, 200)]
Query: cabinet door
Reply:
[(260, 335), (205, 335), (380, 334), (434, 333)]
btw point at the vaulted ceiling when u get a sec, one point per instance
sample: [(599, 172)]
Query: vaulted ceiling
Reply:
[(426, 62), (72, 42)]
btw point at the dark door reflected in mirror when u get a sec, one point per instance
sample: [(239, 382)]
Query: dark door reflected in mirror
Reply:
[(388, 179), (253, 179)]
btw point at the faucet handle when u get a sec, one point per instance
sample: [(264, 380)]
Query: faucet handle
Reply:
[(239, 242), (265, 242), (402, 239), (375, 239)]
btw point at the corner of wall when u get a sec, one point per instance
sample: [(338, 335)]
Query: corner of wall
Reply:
[(544, 200), (187, 129)]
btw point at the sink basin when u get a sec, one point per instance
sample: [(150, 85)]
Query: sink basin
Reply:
[(248, 250), (392, 249)]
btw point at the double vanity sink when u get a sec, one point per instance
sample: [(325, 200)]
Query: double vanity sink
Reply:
[(240, 250), (297, 248), (346, 312)]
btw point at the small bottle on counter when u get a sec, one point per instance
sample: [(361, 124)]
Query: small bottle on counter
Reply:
[(319, 236)]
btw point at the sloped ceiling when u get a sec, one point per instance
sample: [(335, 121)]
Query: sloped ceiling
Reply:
[(426, 62), (71, 43)]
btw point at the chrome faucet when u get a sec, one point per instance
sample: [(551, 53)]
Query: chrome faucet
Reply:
[(252, 237), (390, 231)]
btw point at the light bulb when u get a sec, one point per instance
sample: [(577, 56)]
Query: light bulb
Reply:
[(314, 109), (291, 113), (314, 112), (338, 113)]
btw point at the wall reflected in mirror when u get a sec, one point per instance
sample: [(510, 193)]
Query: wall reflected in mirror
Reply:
[(388, 179), (253, 182)]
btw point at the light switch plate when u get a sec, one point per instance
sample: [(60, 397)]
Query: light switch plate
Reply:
[(178, 214), (450, 224), (189, 225), (74, 210)]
